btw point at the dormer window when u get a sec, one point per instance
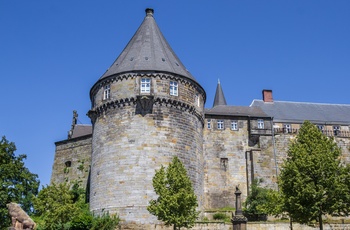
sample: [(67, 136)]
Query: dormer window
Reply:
[(174, 90), (220, 124), (107, 92), (260, 124), (145, 85)]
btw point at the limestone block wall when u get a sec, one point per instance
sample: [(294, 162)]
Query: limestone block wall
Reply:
[(265, 163), (72, 160), (225, 163), (129, 147)]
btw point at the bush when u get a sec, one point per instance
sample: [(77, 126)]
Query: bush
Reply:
[(105, 222), (221, 216)]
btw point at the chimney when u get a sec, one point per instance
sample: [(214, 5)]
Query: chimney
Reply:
[(267, 95)]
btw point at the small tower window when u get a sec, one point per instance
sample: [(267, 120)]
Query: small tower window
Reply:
[(220, 124), (234, 125), (260, 123), (209, 124), (223, 163), (145, 85), (106, 92), (174, 90), (197, 100), (68, 164)]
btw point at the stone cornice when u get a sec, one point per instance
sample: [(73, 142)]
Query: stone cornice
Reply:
[(119, 77), (159, 101)]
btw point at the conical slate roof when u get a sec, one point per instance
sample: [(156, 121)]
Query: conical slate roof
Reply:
[(148, 51), (219, 96)]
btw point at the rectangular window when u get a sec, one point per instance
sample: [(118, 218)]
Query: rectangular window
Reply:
[(336, 130), (287, 128), (260, 123), (106, 92), (145, 85), (209, 124), (220, 124), (173, 88), (196, 100), (320, 127), (234, 125), (224, 163)]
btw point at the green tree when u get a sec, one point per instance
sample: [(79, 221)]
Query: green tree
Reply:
[(313, 180), (254, 208), (17, 183), (176, 203), (55, 206)]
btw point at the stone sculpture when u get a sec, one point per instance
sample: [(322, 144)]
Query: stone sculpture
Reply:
[(20, 219)]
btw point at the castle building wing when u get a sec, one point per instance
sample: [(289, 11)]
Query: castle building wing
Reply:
[(298, 112), (148, 50)]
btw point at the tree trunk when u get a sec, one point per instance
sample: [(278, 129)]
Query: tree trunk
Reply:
[(320, 221), (290, 223), (174, 226)]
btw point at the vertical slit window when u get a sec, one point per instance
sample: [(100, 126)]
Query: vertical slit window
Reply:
[(107, 92), (209, 124)]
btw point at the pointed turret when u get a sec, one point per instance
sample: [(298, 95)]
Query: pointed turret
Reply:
[(219, 96), (147, 51)]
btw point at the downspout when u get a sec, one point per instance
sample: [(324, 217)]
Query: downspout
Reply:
[(274, 149)]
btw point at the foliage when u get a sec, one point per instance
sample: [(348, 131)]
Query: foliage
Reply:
[(105, 222), (221, 216), (313, 181), (253, 207), (55, 205), (58, 206), (176, 203), (18, 184)]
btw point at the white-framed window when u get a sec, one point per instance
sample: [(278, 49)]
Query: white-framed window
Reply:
[(287, 128), (234, 125), (260, 123), (174, 89), (336, 130), (220, 124), (320, 127), (209, 124), (106, 92), (145, 85)]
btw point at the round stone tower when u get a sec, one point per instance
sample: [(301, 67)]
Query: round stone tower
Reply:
[(146, 109)]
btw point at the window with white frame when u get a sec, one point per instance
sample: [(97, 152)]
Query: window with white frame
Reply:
[(220, 124), (287, 128), (336, 130), (106, 92), (209, 124), (320, 127), (234, 125), (260, 123), (174, 90), (145, 85)]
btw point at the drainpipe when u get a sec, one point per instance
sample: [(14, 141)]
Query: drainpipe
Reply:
[(274, 149)]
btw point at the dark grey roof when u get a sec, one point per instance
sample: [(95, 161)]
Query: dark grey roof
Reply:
[(81, 130), (224, 110), (219, 96), (148, 51), (298, 112)]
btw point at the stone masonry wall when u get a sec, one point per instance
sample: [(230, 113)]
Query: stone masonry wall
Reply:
[(225, 163), (77, 151), (129, 147)]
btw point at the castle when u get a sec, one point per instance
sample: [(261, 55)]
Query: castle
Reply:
[(147, 108)]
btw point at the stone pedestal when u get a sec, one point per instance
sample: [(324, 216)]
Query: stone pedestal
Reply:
[(238, 220)]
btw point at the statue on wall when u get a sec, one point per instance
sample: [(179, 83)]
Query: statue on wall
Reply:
[(20, 219)]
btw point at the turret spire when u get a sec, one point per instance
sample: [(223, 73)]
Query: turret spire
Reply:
[(219, 96)]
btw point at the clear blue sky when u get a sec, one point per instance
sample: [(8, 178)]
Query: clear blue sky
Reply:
[(52, 52)]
